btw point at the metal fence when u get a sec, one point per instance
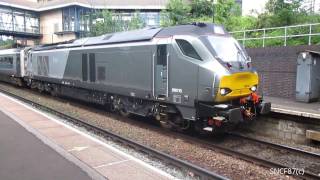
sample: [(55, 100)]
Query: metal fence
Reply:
[(308, 34)]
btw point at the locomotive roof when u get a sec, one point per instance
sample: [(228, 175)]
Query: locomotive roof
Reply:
[(9, 51), (195, 29)]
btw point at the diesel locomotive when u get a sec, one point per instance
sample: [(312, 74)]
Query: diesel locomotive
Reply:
[(194, 75)]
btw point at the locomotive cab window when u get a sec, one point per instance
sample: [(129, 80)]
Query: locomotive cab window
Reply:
[(187, 49)]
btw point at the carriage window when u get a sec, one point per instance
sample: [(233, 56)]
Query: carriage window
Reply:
[(6, 62), (10, 60), (187, 49)]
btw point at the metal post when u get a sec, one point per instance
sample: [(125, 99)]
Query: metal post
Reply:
[(310, 32), (264, 36), (213, 11), (244, 38), (285, 36), (24, 22), (12, 18)]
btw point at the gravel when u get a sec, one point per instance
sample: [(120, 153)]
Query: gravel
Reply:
[(154, 137), (306, 147)]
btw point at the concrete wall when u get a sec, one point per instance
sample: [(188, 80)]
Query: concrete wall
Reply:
[(280, 128), (277, 68), (51, 22)]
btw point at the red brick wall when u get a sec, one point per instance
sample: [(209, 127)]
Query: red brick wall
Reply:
[(277, 67)]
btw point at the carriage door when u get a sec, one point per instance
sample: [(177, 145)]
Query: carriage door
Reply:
[(161, 72)]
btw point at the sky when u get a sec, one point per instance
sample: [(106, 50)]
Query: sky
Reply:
[(256, 5)]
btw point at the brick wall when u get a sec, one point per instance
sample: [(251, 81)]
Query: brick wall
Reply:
[(277, 67)]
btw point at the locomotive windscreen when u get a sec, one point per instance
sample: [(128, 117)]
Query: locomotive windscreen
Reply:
[(228, 49)]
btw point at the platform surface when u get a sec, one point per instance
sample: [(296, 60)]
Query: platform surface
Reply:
[(46, 148), (292, 107), (24, 156)]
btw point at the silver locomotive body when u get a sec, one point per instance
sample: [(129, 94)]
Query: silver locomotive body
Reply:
[(178, 74)]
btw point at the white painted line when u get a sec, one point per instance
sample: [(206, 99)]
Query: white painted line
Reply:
[(78, 148), (92, 138), (110, 164)]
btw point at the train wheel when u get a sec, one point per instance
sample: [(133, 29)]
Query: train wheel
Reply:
[(40, 87), (54, 90), (176, 122), (123, 112), (182, 125)]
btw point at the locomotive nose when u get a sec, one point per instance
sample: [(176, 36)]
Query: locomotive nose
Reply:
[(236, 86)]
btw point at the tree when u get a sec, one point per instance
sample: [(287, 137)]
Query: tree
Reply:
[(200, 8), (224, 10), (280, 13), (136, 22), (177, 12), (109, 22), (105, 23), (6, 44)]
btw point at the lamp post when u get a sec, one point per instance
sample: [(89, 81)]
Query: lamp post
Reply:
[(212, 6)]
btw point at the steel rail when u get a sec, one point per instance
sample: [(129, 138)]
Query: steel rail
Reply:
[(256, 160), (278, 146), (197, 171), (264, 162)]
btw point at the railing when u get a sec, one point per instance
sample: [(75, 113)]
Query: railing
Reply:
[(306, 34)]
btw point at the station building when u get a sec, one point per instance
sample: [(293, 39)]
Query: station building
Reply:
[(51, 21)]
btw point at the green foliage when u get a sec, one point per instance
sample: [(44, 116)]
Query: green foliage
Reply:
[(177, 12), (136, 22), (237, 23), (109, 22), (225, 10), (201, 8), (279, 13), (6, 44)]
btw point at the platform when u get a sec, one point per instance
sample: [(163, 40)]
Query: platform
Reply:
[(35, 145), (292, 107), (23, 156)]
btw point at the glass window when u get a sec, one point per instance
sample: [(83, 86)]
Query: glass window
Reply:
[(187, 49), (227, 49)]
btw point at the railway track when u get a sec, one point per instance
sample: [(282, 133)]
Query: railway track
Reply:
[(192, 169), (278, 156), (232, 144)]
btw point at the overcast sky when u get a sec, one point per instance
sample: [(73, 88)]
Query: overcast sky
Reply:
[(249, 5)]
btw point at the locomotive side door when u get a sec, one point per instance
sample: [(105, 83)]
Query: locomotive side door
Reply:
[(161, 62)]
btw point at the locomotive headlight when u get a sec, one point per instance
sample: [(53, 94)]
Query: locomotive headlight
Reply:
[(253, 88), (224, 91)]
